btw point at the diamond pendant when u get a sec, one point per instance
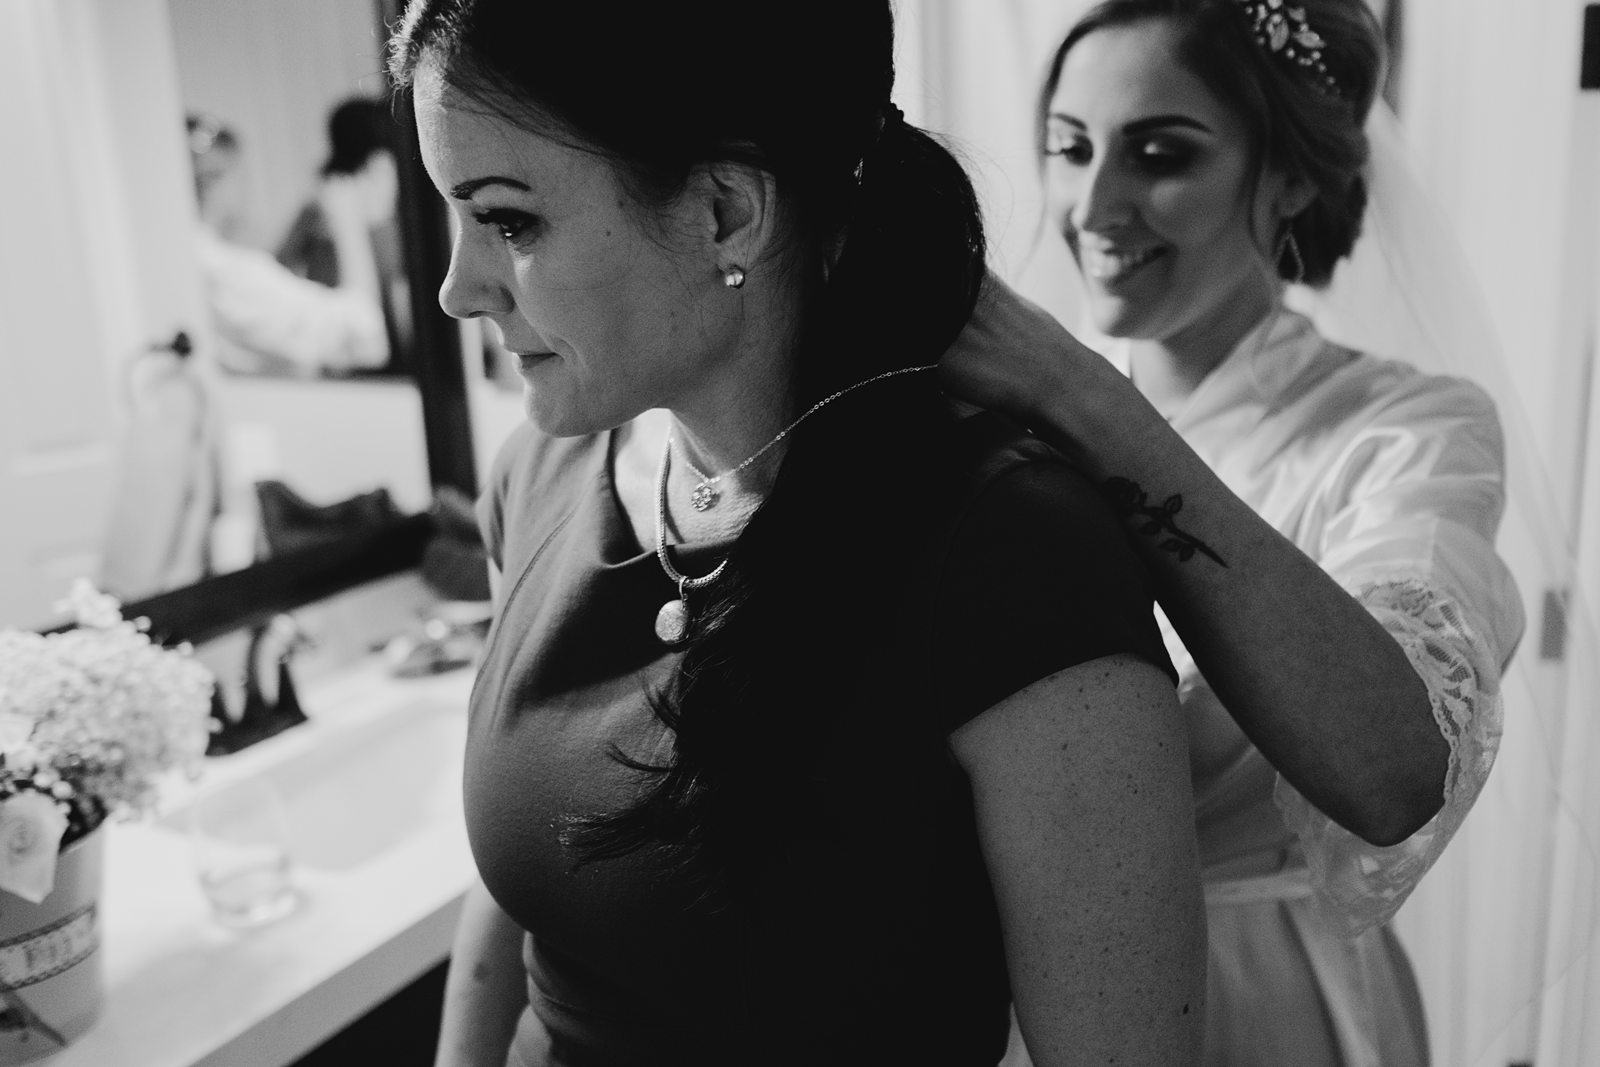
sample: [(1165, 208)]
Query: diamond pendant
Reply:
[(704, 497), (672, 621)]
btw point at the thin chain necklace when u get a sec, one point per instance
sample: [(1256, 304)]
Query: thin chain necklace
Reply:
[(672, 621), (706, 495)]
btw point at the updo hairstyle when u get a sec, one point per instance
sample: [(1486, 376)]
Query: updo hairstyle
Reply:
[(1295, 122)]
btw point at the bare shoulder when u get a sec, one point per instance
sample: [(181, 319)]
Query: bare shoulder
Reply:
[(1122, 706)]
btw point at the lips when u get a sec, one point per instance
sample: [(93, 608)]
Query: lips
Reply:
[(1111, 267)]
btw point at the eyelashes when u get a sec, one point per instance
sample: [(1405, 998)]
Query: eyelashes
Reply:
[(1075, 152), (512, 226), (1152, 157)]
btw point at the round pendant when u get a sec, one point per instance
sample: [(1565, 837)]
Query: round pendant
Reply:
[(704, 497), (672, 621)]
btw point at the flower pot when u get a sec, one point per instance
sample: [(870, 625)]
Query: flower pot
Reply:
[(52, 982)]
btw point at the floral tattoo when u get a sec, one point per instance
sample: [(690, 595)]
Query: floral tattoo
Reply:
[(1157, 520)]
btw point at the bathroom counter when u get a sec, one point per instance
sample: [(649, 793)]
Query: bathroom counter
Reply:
[(185, 991)]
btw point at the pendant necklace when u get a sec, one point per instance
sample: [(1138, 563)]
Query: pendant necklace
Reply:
[(672, 621), (706, 495)]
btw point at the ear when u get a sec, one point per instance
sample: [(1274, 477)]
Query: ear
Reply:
[(742, 214), (1293, 196)]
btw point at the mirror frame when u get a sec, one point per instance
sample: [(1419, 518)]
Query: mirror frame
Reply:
[(250, 597), (440, 371)]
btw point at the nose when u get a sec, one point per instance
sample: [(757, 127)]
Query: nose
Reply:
[(471, 287), (1104, 200)]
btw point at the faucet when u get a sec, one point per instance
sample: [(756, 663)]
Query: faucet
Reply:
[(270, 705)]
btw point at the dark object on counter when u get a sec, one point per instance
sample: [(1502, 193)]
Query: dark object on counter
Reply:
[(452, 639), (455, 564), (290, 522)]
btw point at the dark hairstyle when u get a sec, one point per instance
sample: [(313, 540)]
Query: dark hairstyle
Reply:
[(887, 248), (357, 128), (1295, 123)]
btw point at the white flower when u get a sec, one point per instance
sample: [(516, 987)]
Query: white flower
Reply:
[(15, 730), (31, 825), (99, 714), (91, 608)]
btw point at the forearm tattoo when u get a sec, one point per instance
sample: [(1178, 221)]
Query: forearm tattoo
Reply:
[(1157, 520)]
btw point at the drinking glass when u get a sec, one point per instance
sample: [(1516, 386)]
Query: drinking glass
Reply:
[(240, 840)]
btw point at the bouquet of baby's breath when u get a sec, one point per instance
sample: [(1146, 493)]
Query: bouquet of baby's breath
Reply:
[(91, 720)]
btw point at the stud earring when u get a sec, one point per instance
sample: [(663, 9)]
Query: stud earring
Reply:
[(733, 277)]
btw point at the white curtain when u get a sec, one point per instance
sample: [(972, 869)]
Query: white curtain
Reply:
[(971, 70), (1501, 931)]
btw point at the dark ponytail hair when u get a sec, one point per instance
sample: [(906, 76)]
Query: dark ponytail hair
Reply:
[(889, 253), (358, 129), (1296, 123)]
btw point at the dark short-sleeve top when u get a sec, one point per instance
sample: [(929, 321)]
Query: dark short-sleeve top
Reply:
[(875, 938)]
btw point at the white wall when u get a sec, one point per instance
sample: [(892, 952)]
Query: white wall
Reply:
[(328, 440), (970, 71), (86, 281)]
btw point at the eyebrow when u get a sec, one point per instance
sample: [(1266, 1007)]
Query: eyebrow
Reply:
[(465, 190), (1144, 125)]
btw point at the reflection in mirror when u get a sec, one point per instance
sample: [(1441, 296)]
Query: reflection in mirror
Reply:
[(290, 418), (129, 453), (293, 143)]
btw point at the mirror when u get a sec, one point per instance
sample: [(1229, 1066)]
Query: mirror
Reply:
[(318, 425), (133, 452), (293, 142)]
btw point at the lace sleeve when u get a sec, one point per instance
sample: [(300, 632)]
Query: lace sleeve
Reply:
[(1359, 885)]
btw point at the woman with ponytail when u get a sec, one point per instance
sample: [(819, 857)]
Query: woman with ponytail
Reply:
[(812, 728)]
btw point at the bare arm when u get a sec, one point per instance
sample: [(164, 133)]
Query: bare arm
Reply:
[(261, 305), (1081, 787), (1312, 678), (485, 989)]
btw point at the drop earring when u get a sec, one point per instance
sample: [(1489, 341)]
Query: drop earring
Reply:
[(1292, 246), (733, 277)]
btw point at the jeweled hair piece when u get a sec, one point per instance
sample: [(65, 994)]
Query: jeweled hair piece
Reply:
[(1286, 34)]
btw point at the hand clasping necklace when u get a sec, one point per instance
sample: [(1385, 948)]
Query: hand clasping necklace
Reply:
[(672, 621)]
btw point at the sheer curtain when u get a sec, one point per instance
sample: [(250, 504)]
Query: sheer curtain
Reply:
[(971, 70), (1501, 930)]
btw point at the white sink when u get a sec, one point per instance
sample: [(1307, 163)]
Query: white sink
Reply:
[(353, 791), (371, 785)]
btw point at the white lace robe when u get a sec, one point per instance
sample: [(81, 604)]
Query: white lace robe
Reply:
[(1393, 482)]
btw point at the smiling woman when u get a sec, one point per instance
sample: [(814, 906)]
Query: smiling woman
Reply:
[(1321, 521), (1149, 182), (792, 741)]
